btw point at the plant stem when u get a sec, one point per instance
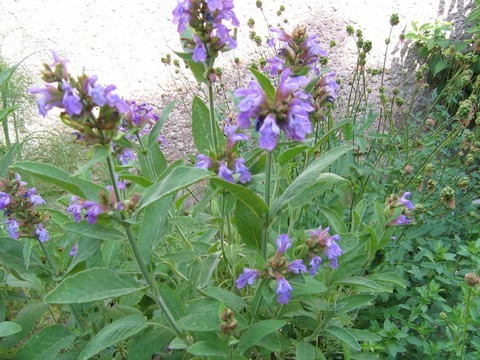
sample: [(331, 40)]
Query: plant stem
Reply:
[(466, 321), (138, 258), (268, 174), (55, 270), (213, 123)]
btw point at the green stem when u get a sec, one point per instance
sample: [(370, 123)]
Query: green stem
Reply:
[(55, 270), (213, 123), (266, 224), (466, 321), (138, 258)]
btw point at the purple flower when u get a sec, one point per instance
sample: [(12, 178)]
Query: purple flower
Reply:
[(75, 208), (401, 220), (242, 170), (328, 87), (248, 277), (141, 114), (73, 250), (93, 210), (214, 5), (225, 173), (333, 251), (103, 95), (33, 197), (283, 243), (181, 15), (5, 199), (50, 97), (204, 162), (223, 35), (315, 263), (71, 101), (58, 61), (275, 65), (283, 290), (296, 267), (249, 106), (13, 228), (200, 52), (232, 137), (404, 201), (269, 133), (126, 156), (312, 48), (42, 233), (298, 123)]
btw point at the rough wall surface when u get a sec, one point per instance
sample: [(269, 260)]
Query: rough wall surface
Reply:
[(122, 41)]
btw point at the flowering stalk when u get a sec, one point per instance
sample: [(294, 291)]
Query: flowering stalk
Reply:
[(266, 224), (138, 258), (213, 123)]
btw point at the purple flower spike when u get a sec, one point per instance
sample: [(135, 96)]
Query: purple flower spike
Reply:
[(75, 208), (42, 233), (204, 162), (5, 199), (283, 290), (71, 101), (200, 52), (50, 97), (214, 5), (242, 170), (269, 132), (225, 173), (249, 106), (13, 228), (333, 251), (93, 210), (404, 201), (296, 267), (33, 197), (315, 263), (401, 220), (73, 250), (248, 277), (283, 243)]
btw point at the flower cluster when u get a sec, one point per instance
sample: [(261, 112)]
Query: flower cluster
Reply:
[(208, 19), (287, 111), (18, 203), (298, 51), (90, 108), (228, 164), (406, 206), (277, 268), (321, 241)]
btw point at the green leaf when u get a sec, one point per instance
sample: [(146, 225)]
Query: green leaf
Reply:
[(265, 84), (197, 68), (97, 154), (11, 255), (113, 333), (310, 176), (358, 281), (7, 74), (46, 344), (248, 225), (154, 227), (243, 194), (389, 277), (200, 321), (363, 335), (146, 344), (311, 286), (157, 128), (9, 328), (334, 220), (8, 159), (229, 299), (179, 178), (353, 302), (5, 112), (91, 285), (27, 251), (26, 318), (305, 351), (202, 127), (256, 332), (157, 159), (52, 174), (343, 335), (289, 154), (173, 300), (96, 231), (208, 349), (207, 268)]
